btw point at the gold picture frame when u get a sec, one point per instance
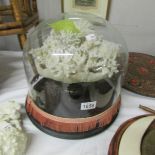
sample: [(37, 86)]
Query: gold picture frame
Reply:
[(97, 7)]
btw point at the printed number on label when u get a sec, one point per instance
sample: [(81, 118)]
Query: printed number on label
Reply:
[(88, 105)]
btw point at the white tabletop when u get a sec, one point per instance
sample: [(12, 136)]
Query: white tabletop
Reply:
[(13, 86)]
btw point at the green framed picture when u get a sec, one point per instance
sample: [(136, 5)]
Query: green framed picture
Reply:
[(86, 3), (97, 7)]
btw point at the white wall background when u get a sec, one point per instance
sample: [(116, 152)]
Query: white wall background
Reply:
[(136, 21), (134, 18)]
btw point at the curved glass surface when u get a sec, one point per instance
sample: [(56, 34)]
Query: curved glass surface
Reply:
[(75, 65)]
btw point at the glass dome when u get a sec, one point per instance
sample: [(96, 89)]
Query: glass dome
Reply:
[(74, 68)]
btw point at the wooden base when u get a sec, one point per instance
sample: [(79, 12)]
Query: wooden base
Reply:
[(66, 135), (73, 127)]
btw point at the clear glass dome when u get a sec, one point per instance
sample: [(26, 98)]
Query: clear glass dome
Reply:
[(75, 65)]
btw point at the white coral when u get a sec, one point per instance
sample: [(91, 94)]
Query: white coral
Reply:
[(12, 138), (71, 57)]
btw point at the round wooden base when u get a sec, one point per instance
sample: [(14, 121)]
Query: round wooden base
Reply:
[(67, 135), (71, 128)]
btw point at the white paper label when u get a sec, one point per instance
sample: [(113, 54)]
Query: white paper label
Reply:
[(88, 105), (90, 37)]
